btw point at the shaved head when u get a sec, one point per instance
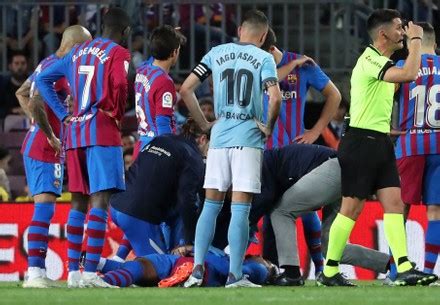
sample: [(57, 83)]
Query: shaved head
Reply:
[(73, 35), (254, 27)]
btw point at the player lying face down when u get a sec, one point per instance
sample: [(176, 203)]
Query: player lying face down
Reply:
[(168, 270)]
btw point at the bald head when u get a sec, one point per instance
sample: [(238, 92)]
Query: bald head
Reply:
[(71, 36)]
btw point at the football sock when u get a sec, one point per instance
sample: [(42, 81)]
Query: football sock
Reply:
[(109, 265), (338, 237), (238, 235), (124, 248), (38, 233), (129, 273), (75, 234), (393, 270), (96, 233), (205, 229), (394, 228), (432, 245), (312, 233)]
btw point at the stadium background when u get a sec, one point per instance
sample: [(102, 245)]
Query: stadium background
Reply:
[(332, 32)]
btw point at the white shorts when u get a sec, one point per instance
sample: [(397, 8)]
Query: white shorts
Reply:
[(239, 166)]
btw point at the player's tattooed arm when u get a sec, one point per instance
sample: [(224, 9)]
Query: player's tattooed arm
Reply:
[(40, 116), (23, 97), (273, 90)]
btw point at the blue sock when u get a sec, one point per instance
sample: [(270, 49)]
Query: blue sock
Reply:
[(111, 265), (238, 235), (38, 233), (393, 268), (205, 229), (312, 233), (432, 245), (129, 273), (75, 234), (124, 248), (96, 234)]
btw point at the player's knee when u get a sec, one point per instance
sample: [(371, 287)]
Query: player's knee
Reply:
[(79, 202), (433, 212), (100, 199)]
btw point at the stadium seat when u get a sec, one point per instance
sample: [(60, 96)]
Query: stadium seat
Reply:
[(17, 184), (12, 139), (16, 122), (16, 167)]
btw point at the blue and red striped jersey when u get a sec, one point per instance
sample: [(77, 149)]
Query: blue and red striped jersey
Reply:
[(155, 96), (419, 110), (294, 87), (97, 73), (35, 144)]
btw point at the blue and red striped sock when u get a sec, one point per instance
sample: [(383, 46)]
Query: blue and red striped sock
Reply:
[(96, 226), (129, 273), (75, 235), (312, 232), (432, 245), (124, 248), (110, 265), (38, 233)]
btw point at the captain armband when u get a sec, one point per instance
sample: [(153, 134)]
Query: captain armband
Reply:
[(269, 83), (202, 71)]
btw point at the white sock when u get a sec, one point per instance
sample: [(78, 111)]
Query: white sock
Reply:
[(101, 264)]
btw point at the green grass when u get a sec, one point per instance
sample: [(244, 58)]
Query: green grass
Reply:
[(368, 293)]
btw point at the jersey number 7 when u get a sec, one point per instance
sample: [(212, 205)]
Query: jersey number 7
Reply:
[(89, 71)]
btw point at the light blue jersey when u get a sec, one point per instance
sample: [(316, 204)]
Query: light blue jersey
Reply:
[(239, 73)]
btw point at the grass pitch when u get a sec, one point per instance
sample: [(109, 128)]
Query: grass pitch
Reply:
[(368, 293)]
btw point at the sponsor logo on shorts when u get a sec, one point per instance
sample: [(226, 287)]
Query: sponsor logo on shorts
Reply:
[(57, 183)]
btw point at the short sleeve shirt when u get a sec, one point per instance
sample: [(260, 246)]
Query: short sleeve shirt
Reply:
[(371, 96)]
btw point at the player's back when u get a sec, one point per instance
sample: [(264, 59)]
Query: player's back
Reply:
[(97, 71), (238, 72), (156, 175), (418, 107), (154, 95), (35, 144), (290, 163)]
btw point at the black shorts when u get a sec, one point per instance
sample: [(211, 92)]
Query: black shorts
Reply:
[(368, 163)]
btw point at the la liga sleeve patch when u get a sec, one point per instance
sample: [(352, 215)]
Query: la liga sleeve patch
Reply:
[(167, 100)]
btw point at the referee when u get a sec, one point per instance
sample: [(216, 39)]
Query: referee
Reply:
[(366, 153)]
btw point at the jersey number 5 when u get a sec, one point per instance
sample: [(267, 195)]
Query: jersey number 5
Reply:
[(432, 106), (240, 84), (89, 71)]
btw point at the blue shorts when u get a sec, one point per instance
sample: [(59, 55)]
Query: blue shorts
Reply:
[(95, 168), (163, 264), (431, 190), (145, 238), (43, 177)]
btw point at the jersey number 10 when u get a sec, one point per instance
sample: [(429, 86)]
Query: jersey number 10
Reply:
[(432, 105), (240, 84)]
